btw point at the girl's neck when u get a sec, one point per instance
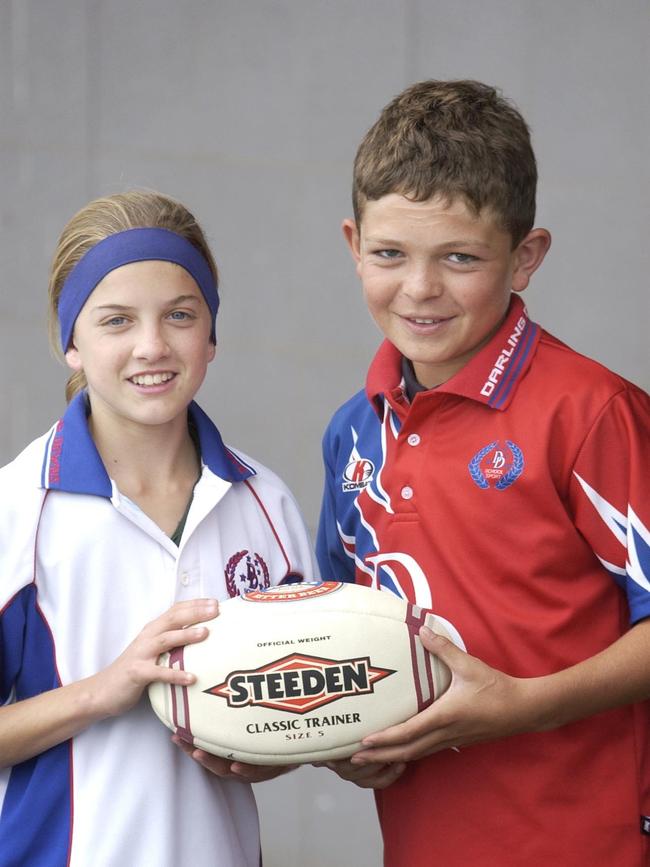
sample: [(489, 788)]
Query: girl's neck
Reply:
[(147, 459)]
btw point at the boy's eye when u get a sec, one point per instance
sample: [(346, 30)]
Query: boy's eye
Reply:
[(387, 254), (116, 321), (461, 258)]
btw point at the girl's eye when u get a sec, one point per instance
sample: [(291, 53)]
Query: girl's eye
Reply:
[(180, 315), (116, 321), (461, 258)]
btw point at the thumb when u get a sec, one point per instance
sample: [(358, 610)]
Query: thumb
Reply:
[(441, 647)]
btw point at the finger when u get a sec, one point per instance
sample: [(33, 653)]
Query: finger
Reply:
[(260, 773), (215, 764), (161, 674), (441, 647), (384, 778), (167, 641), (405, 752), (355, 773), (429, 722), (371, 776), (186, 613)]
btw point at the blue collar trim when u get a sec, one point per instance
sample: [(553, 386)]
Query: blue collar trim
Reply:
[(72, 463)]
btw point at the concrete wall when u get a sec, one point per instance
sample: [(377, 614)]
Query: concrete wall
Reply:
[(251, 112)]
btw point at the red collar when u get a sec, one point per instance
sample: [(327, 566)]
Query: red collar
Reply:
[(490, 377)]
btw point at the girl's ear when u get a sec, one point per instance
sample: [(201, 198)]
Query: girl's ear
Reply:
[(72, 359), (528, 256)]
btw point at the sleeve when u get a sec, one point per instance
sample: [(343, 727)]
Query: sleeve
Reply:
[(609, 494), (336, 564), (17, 589)]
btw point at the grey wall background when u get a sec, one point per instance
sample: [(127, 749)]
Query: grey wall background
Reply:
[(251, 113)]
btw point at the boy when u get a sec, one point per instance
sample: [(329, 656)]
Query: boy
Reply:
[(492, 474)]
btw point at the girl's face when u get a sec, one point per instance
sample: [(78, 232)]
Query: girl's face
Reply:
[(143, 342)]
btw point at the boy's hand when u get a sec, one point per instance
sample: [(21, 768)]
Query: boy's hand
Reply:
[(481, 704), (378, 775), (229, 770)]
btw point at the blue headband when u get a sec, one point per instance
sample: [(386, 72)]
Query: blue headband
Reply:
[(133, 245)]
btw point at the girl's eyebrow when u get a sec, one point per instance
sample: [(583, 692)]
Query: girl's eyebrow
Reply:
[(180, 299)]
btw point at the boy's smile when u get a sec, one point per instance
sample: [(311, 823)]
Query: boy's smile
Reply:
[(437, 278), (143, 342)]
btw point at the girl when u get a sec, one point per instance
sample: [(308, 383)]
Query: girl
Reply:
[(129, 511)]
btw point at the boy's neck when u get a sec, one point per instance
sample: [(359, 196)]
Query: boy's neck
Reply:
[(412, 385)]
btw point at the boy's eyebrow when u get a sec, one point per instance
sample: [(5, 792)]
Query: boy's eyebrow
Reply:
[(455, 242)]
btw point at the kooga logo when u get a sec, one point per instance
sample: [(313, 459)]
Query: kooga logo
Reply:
[(299, 683)]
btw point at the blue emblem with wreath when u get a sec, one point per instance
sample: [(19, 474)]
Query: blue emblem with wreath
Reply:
[(494, 466)]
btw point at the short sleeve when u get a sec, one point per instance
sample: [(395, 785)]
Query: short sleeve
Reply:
[(609, 494)]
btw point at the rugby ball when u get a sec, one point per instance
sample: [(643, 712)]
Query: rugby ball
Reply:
[(301, 673)]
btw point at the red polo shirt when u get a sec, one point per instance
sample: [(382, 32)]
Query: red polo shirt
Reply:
[(513, 501)]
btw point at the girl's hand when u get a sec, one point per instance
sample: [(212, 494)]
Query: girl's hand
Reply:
[(229, 770), (119, 686)]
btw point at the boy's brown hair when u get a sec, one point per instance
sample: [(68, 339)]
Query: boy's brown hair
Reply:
[(453, 139)]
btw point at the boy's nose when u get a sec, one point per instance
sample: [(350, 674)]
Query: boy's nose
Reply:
[(422, 282)]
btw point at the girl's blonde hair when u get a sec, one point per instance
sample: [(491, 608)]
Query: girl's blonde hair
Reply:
[(106, 216)]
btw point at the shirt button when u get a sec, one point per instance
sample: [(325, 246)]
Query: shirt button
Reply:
[(185, 579), (413, 440), (407, 493)]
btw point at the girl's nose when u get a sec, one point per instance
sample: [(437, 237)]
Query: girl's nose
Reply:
[(151, 344)]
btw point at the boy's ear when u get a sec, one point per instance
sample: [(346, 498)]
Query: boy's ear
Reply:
[(351, 235), (528, 256)]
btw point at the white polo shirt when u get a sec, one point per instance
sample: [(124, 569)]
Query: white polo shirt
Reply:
[(82, 570)]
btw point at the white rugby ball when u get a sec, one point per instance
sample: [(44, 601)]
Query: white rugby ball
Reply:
[(302, 672)]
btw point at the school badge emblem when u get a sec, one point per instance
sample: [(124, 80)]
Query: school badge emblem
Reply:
[(246, 571), (496, 466)]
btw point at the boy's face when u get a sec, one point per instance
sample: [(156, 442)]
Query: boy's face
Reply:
[(437, 278)]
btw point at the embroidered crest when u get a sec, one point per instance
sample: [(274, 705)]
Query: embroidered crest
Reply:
[(246, 571), (494, 466)]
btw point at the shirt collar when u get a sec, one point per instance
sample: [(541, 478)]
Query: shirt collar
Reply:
[(72, 463), (491, 377)]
